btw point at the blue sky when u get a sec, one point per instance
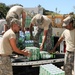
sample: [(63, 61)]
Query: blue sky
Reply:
[(63, 6)]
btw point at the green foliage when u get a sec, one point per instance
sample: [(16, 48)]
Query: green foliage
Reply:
[(47, 12), (3, 10), (15, 5)]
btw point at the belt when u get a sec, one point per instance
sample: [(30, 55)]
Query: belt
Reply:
[(4, 55)]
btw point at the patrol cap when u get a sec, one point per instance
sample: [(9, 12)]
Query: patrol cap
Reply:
[(67, 20), (15, 21)]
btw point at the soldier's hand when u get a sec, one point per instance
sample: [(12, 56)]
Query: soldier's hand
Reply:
[(51, 51), (41, 48), (27, 53)]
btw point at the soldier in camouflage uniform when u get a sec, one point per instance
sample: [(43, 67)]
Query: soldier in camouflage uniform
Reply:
[(18, 12), (69, 36), (44, 25), (7, 46)]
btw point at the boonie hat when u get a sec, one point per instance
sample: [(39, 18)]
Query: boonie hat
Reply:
[(67, 20)]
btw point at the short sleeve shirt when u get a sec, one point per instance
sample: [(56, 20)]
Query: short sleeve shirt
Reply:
[(5, 47), (15, 10), (69, 36), (45, 24)]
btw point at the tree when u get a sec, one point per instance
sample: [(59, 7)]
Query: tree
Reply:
[(3, 10), (47, 12)]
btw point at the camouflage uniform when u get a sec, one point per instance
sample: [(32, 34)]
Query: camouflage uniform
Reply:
[(5, 65), (14, 12), (48, 39), (8, 19), (69, 63)]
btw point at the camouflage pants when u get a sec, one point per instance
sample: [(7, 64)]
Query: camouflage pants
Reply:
[(5, 65), (48, 39), (69, 63)]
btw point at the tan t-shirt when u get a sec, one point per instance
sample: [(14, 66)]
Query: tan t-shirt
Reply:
[(5, 47), (69, 36), (15, 10), (45, 24)]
